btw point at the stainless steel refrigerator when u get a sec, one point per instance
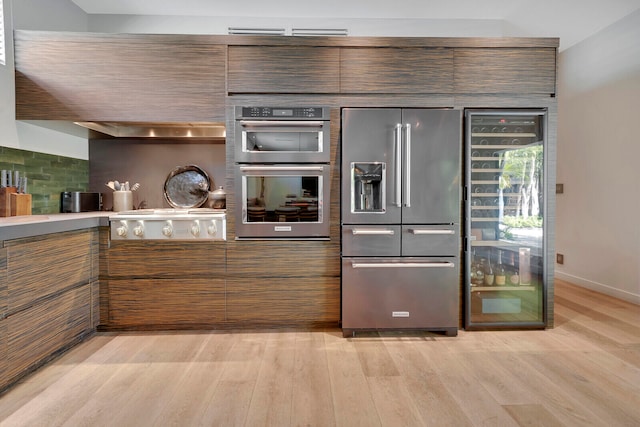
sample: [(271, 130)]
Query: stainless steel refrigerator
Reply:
[(401, 214)]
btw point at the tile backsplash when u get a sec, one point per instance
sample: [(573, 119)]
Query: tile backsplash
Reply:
[(48, 175)]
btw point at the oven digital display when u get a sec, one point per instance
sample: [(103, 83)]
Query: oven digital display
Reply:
[(279, 112)]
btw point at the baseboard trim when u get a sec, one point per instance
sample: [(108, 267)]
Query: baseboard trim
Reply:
[(599, 287)]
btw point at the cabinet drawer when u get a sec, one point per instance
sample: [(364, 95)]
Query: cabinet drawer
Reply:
[(41, 330), (400, 293), (31, 261), (371, 240), (430, 240), (154, 302)]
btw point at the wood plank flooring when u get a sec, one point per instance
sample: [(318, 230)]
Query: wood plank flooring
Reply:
[(584, 372)]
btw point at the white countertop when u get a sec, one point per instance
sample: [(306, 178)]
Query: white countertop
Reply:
[(15, 227)]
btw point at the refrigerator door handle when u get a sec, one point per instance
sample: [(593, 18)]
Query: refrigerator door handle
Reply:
[(407, 165), (370, 231), (443, 264), (398, 184), (418, 231)]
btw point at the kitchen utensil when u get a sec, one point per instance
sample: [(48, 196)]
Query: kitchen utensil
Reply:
[(217, 199), (135, 186), (111, 185), (116, 185)]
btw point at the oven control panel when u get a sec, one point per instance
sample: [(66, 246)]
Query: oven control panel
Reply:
[(297, 113)]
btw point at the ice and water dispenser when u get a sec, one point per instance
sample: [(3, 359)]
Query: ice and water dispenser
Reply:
[(367, 187)]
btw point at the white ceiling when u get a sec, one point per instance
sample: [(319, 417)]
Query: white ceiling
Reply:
[(571, 20)]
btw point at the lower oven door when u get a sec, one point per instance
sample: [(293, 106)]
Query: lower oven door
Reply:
[(400, 293), (282, 201)]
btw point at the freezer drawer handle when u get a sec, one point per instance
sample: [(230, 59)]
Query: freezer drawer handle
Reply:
[(423, 231), (446, 264), (369, 231)]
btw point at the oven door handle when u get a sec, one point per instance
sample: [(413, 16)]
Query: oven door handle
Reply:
[(281, 123), (445, 264), (282, 168)]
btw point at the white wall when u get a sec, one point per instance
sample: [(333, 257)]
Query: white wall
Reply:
[(598, 216), (54, 15), (357, 27)]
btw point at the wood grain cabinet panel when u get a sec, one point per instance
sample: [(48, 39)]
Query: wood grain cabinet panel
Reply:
[(505, 70), (39, 331), (113, 78), (172, 302), (38, 267), (283, 69), (396, 70), (290, 301), (4, 378), (289, 258), (3, 282), (151, 259)]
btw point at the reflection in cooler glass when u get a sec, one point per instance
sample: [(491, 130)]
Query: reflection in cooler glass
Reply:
[(282, 198)]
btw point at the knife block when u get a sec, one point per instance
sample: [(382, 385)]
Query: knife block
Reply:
[(20, 204), (5, 200)]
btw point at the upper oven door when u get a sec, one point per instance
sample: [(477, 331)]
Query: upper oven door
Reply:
[(282, 201), (282, 141)]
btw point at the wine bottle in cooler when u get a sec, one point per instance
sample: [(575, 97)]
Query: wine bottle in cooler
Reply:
[(501, 274)]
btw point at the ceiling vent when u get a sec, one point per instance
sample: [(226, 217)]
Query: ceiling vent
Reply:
[(319, 32), (257, 31)]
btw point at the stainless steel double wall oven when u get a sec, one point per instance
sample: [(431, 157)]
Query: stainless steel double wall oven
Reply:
[(282, 172)]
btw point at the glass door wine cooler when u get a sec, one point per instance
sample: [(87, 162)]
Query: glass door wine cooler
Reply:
[(505, 157)]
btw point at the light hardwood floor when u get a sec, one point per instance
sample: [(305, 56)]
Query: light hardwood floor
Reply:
[(584, 372)]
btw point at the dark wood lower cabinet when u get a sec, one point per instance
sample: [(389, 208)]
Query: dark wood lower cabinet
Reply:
[(48, 295), (156, 303)]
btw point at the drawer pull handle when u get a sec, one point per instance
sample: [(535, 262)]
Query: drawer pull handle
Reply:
[(417, 231), (369, 231), (447, 264)]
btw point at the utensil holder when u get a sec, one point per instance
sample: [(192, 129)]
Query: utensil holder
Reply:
[(20, 204), (5, 200), (122, 201)]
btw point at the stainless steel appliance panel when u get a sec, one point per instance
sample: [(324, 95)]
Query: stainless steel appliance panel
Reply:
[(282, 200), (400, 293), (431, 166), (282, 135), (371, 240), (78, 201), (430, 240), (371, 136)]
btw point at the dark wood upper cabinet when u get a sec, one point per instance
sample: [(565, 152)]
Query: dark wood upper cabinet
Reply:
[(118, 78), (283, 69), (505, 70), (396, 70)]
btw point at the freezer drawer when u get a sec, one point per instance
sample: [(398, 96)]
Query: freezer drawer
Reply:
[(400, 293), (371, 240), (430, 240)]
